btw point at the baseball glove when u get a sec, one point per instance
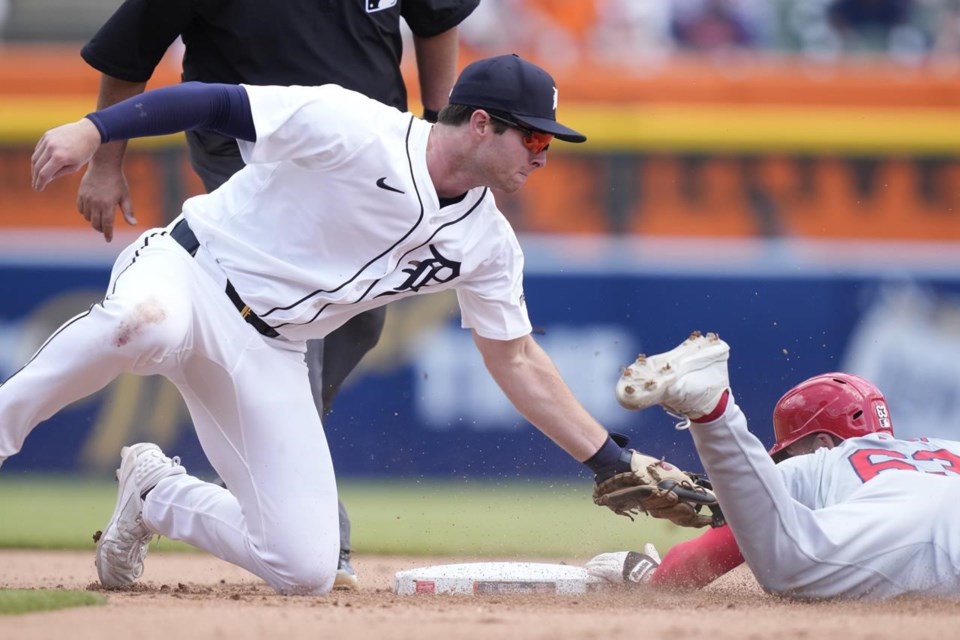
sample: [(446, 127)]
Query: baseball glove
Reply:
[(657, 488)]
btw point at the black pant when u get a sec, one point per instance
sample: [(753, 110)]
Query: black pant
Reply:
[(330, 361)]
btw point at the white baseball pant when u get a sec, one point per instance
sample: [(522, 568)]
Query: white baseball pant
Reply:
[(249, 397)]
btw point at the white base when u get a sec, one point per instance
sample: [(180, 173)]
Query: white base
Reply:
[(481, 578)]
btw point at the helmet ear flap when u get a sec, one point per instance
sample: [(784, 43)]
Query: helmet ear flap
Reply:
[(840, 404)]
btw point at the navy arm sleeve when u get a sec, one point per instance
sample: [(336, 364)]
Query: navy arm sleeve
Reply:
[(224, 108)]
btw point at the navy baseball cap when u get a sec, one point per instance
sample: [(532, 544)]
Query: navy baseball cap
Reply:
[(512, 85)]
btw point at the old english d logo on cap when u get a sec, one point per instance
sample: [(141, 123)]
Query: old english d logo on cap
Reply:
[(512, 85)]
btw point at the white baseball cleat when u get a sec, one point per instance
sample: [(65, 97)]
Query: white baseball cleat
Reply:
[(122, 546), (688, 380)]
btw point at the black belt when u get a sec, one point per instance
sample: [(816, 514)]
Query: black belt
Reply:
[(184, 236)]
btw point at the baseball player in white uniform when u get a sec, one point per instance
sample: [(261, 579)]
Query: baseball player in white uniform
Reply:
[(345, 204), (867, 517)]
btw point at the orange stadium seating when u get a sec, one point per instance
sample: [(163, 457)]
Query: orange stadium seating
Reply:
[(846, 151)]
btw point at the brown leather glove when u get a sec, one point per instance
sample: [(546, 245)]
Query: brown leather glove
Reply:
[(657, 488)]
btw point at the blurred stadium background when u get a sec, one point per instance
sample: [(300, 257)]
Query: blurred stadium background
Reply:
[(785, 172)]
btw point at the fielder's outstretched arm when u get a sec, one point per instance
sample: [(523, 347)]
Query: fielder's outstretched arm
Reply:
[(192, 105), (528, 377)]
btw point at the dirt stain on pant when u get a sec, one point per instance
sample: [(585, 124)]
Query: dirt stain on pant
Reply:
[(144, 314)]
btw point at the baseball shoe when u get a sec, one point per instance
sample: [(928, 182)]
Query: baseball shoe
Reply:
[(688, 380), (122, 546), (346, 579)]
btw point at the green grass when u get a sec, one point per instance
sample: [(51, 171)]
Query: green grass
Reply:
[(53, 512), (394, 517), (14, 601)]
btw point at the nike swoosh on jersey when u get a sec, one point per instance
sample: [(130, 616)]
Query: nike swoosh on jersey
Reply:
[(382, 183)]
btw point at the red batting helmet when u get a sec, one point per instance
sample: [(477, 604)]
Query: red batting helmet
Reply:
[(841, 404)]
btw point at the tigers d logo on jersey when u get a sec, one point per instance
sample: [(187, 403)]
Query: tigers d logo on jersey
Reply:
[(435, 270), (379, 5)]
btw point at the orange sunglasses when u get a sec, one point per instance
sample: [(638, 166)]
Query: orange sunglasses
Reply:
[(534, 141)]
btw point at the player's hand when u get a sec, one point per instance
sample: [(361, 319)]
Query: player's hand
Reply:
[(63, 150), (102, 189), (625, 567)]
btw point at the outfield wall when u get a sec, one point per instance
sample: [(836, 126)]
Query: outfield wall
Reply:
[(423, 405)]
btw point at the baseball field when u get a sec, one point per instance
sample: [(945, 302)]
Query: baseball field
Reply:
[(46, 552)]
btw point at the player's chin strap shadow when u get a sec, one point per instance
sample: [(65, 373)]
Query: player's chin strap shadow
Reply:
[(699, 498)]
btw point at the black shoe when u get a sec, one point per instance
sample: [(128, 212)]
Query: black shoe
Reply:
[(346, 579)]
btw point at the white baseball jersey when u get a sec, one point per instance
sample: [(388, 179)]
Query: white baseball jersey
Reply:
[(336, 214), (874, 517)]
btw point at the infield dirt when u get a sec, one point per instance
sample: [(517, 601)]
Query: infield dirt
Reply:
[(185, 596)]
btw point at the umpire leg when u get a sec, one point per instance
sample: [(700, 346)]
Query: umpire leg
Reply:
[(342, 351), (329, 362)]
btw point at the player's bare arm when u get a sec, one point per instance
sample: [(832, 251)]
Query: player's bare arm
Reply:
[(531, 381), (528, 377), (103, 187)]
